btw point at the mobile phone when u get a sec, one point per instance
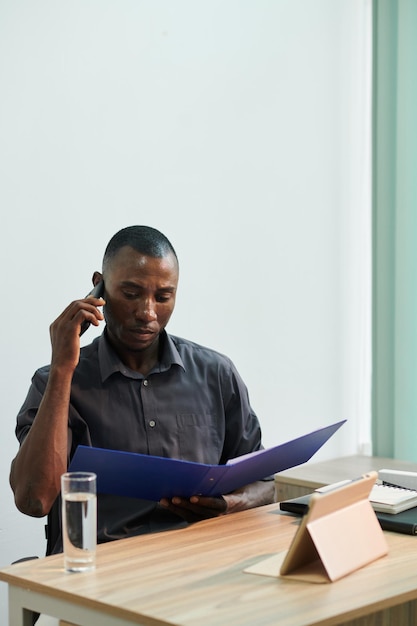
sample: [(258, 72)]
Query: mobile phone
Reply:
[(97, 292)]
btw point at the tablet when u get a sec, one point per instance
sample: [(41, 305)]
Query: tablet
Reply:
[(339, 534)]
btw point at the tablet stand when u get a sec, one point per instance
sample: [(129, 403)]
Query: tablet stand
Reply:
[(339, 534)]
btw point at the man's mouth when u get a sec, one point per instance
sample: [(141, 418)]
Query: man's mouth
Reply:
[(142, 332)]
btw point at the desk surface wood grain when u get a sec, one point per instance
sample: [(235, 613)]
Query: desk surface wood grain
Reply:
[(195, 576)]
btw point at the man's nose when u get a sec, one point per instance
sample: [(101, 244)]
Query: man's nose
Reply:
[(145, 311)]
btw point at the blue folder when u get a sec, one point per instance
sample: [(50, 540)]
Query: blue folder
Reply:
[(153, 477)]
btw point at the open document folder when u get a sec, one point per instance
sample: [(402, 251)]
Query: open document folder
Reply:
[(152, 477)]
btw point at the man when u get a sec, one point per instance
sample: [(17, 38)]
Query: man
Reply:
[(134, 388)]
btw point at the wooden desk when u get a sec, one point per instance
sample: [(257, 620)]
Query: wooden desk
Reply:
[(303, 479), (195, 576)]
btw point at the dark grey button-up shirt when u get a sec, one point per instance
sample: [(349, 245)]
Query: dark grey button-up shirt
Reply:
[(193, 405)]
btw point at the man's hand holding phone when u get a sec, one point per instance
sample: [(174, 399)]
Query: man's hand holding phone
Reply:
[(66, 330)]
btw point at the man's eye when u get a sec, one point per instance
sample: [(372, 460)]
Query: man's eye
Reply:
[(163, 298), (130, 295)]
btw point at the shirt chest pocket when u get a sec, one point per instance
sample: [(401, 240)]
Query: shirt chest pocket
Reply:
[(200, 438)]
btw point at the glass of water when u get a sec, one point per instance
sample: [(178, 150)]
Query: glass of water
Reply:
[(79, 520)]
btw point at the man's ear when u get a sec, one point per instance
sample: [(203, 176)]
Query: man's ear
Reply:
[(97, 277)]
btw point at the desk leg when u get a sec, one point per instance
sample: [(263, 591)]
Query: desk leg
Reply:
[(18, 614)]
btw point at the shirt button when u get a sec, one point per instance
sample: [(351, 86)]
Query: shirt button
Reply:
[(145, 383), (152, 423)]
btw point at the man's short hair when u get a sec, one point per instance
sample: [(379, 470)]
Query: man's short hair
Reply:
[(144, 239)]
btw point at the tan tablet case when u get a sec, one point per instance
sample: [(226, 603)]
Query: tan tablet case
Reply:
[(339, 534)]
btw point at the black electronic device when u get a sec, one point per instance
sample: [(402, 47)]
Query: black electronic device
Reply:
[(96, 292)]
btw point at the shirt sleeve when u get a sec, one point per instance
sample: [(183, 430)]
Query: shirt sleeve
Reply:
[(31, 404), (243, 430)]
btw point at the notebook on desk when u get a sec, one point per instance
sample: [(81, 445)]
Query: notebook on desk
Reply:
[(392, 499)]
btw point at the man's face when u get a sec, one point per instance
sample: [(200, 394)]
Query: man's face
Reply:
[(140, 298)]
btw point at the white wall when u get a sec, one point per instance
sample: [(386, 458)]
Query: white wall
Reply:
[(240, 129)]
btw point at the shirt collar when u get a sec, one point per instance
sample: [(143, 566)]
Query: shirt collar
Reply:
[(109, 362)]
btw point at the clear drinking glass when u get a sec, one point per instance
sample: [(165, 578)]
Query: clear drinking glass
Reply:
[(79, 520)]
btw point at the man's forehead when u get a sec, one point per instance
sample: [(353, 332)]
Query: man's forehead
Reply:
[(127, 259)]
